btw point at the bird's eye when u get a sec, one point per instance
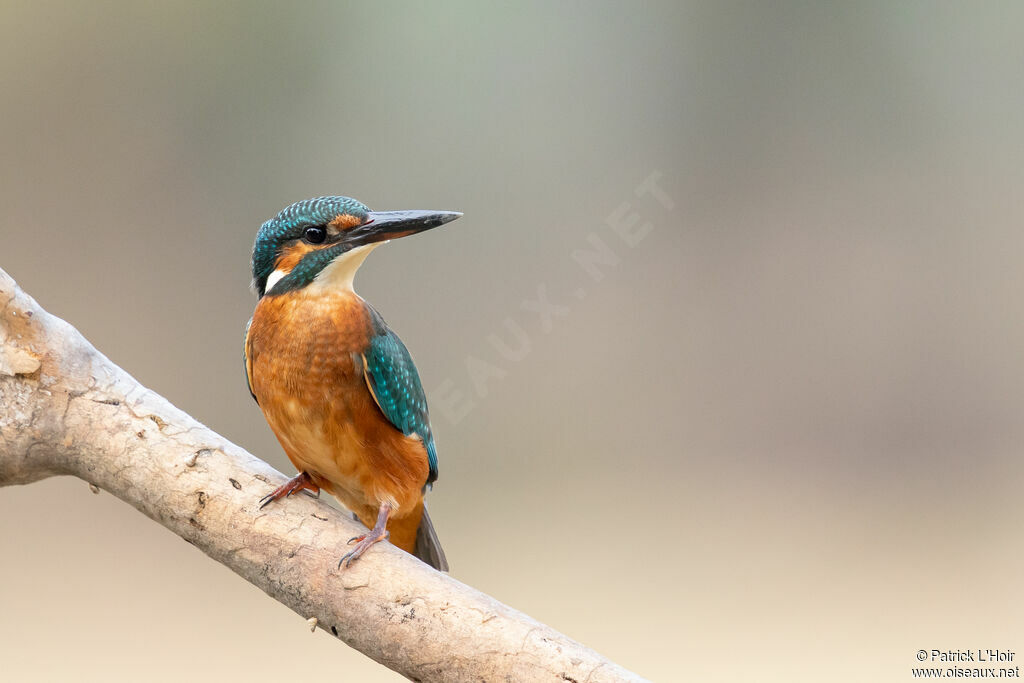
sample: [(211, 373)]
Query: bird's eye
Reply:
[(314, 234)]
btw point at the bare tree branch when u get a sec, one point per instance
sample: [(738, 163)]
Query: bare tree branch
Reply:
[(65, 409)]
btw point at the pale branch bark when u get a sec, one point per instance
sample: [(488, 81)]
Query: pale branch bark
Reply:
[(65, 409)]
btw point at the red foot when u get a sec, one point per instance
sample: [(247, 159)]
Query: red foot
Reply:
[(301, 482), (364, 541)]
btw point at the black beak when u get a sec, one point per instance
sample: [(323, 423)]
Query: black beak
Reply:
[(389, 225)]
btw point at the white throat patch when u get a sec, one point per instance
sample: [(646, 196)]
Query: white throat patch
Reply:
[(341, 272)]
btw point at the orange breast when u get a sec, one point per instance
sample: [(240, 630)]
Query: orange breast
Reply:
[(304, 356)]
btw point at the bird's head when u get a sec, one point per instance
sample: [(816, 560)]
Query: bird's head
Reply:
[(325, 240)]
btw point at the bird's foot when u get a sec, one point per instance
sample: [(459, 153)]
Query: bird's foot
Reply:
[(300, 482), (364, 541)]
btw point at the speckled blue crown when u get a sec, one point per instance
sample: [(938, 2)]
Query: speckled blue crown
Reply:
[(290, 223)]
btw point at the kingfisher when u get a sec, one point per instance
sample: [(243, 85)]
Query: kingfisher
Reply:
[(338, 387)]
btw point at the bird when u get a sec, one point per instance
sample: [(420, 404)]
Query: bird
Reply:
[(336, 385)]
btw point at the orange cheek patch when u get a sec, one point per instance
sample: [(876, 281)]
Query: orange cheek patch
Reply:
[(346, 221), (291, 256)]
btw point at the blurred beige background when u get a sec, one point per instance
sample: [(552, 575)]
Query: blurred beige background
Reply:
[(779, 440)]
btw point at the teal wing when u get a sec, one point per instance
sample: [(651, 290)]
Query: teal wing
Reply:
[(396, 387)]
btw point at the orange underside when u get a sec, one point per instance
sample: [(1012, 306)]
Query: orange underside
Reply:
[(303, 356)]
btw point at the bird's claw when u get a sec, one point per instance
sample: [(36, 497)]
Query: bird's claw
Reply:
[(300, 482), (364, 542)]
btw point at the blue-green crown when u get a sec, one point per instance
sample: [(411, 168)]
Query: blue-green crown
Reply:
[(290, 224)]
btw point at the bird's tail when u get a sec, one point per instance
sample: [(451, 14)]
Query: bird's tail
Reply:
[(428, 548)]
